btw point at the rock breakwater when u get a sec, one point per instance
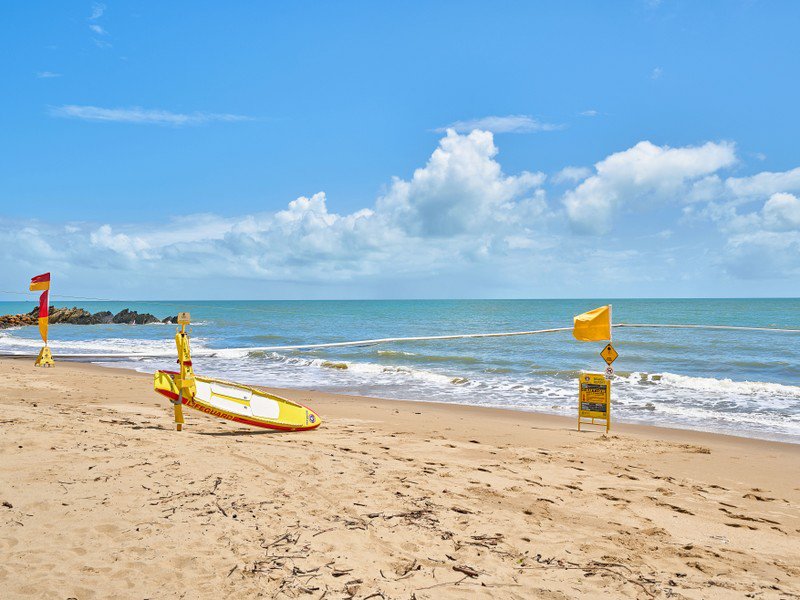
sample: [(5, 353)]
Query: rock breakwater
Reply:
[(80, 316)]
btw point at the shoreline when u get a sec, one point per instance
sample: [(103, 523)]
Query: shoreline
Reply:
[(670, 431), (102, 497)]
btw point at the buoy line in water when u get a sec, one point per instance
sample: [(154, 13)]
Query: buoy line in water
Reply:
[(376, 341), (731, 327), (504, 334)]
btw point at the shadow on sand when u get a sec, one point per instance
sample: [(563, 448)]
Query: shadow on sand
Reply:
[(239, 432)]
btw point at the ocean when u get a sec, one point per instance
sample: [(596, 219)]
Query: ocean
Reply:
[(744, 383)]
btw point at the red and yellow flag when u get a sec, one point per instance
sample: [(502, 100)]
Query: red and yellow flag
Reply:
[(593, 326), (42, 282)]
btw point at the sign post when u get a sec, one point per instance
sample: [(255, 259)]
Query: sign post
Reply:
[(594, 389), (594, 400)]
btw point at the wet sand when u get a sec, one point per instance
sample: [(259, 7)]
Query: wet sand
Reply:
[(101, 498)]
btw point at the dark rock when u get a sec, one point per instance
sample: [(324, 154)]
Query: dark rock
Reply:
[(83, 320), (70, 315), (79, 316), (125, 316), (131, 317), (103, 317)]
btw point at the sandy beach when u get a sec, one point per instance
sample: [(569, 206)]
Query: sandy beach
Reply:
[(101, 498)]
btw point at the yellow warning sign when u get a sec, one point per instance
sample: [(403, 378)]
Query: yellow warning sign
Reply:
[(594, 400), (609, 354)]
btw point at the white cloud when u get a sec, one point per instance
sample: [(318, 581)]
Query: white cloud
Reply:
[(764, 183), (457, 210), (761, 244), (507, 124), (97, 11), (129, 246), (656, 73), (140, 115), (782, 213), (763, 255), (645, 173), (706, 189), (461, 189), (47, 75), (589, 113), (458, 226), (572, 174)]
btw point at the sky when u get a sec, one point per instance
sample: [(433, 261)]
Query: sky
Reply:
[(256, 150)]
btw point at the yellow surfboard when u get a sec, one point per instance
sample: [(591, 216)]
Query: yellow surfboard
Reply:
[(239, 403), (224, 399)]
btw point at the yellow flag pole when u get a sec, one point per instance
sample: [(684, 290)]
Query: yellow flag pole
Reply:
[(185, 380), (608, 376), (178, 406), (45, 358)]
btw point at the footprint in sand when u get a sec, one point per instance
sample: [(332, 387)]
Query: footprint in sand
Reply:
[(759, 498)]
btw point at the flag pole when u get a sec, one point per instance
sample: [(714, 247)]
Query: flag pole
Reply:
[(42, 282), (610, 323)]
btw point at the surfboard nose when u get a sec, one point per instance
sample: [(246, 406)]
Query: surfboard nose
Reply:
[(313, 420)]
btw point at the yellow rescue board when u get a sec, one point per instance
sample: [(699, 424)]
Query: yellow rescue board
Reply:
[(239, 403)]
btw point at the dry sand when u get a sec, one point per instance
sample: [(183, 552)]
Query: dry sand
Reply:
[(103, 499)]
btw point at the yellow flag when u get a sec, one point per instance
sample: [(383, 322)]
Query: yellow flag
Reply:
[(593, 326)]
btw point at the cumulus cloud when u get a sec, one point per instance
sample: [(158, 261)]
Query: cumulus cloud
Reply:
[(461, 189), (104, 238), (782, 213), (453, 211), (763, 255), (643, 174), (459, 223), (763, 243), (764, 183), (140, 115), (506, 124)]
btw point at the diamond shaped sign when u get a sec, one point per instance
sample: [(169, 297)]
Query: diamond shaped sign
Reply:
[(609, 354)]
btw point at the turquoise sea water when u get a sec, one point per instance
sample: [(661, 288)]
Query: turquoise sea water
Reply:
[(738, 382)]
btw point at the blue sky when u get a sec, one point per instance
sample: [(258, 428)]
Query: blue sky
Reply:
[(368, 150)]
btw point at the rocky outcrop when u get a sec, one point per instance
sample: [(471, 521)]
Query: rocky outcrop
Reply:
[(7, 321), (80, 316), (131, 317)]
